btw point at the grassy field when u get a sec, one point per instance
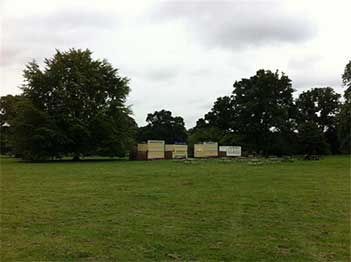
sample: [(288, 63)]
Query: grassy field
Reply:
[(167, 210)]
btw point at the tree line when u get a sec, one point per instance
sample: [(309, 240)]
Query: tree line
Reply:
[(76, 106)]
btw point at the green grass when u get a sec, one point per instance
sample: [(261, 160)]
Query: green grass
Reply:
[(167, 210)]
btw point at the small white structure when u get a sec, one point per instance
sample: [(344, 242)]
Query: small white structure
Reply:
[(230, 150)]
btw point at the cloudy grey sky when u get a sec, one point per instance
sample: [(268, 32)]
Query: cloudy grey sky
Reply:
[(182, 55)]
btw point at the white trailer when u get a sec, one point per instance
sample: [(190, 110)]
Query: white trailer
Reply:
[(230, 150)]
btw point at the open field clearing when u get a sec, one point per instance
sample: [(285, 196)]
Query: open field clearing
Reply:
[(174, 210)]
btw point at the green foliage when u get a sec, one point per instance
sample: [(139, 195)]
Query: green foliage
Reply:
[(8, 108), (33, 136), (222, 115), (312, 139), (7, 116), (200, 135), (344, 125), (231, 139), (263, 106), (344, 117), (162, 125), (346, 77), (259, 115), (262, 116), (320, 106), (83, 101), (5, 144)]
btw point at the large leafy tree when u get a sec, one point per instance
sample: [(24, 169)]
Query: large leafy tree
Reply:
[(311, 139), (344, 126), (8, 105), (346, 77), (264, 110), (217, 125), (344, 118), (320, 106), (8, 108), (162, 125), (83, 101), (34, 133), (222, 114)]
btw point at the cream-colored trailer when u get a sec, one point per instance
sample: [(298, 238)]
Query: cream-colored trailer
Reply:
[(154, 149), (142, 147), (209, 149), (178, 151)]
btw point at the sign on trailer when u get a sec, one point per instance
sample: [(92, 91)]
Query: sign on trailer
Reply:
[(231, 150)]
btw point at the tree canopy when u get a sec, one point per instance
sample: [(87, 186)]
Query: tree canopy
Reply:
[(8, 110), (346, 77), (263, 117), (222, 114), (344, 118), (162, 125), (320, 106), (76, 105), (264, 106), (259, 114)]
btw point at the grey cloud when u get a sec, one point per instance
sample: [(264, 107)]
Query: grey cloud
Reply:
[(238, 24), (161, 74), (304, 61), (311, 70), (32, 37), (8, 54), (63, 19), (182, 55), (305, 81)]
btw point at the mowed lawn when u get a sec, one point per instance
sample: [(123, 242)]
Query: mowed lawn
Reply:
[(168, 210)]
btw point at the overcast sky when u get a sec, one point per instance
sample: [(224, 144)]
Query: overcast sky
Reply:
[(182, 55)]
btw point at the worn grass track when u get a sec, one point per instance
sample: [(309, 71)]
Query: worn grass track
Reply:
[(167, 210)]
